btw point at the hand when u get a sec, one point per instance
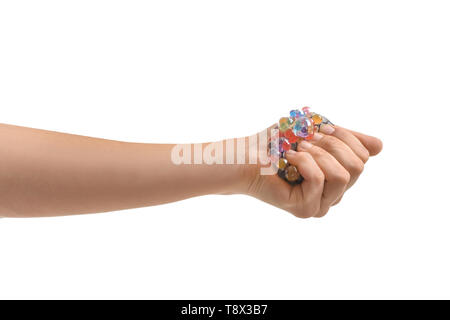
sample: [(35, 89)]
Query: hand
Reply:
[(330, 164)]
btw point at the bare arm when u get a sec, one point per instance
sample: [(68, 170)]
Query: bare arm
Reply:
[(45, 173)]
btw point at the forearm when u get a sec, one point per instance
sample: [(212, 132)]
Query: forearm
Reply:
[(46, 173)]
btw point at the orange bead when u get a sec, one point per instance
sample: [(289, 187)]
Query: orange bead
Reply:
[(292, 174), (282, 164), (316, 118)]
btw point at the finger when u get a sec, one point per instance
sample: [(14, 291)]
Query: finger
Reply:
[(348, 138), (311, 187), (372, 144), (342, 153), (337, 201), (336, 177)]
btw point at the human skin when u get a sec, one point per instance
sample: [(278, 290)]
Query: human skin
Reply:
[(44, 173)]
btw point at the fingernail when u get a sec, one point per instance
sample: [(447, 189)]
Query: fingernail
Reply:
[(327, 129), (291, 152), (317, 136), (305, 145)]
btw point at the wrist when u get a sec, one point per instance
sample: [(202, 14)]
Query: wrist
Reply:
[(224, 167), (241, 164), (236, 168)]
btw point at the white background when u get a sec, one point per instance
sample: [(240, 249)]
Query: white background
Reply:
[(192, 71)]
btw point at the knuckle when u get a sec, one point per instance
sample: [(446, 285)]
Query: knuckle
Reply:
[(318, 151), (313, 210), (327, 141), (322, 213), (343, 177), (301, 156), (355, 168), (318, 178), (304, 156), (330, 142), (364, 156)]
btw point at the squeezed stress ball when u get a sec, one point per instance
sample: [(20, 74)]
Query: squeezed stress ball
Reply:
[(300, 125)]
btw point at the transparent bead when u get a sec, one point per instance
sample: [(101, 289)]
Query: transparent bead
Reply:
[(274, 155), (306, 111), (302, 127)]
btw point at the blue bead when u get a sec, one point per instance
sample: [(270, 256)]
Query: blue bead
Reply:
[(294, 114), (301, 127)]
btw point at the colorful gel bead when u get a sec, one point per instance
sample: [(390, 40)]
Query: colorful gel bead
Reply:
[(306, 111), (316, 118), (285, 123), (311, 129), (302, 127), (294, 114), (292, 174), (296, 129), (282, 163), (289, 134), (285, 145)]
